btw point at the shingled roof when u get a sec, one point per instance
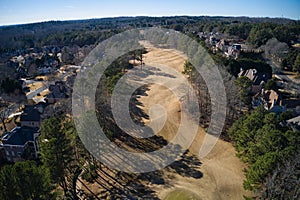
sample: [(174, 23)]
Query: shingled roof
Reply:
[(30, 113), (255, 76), (19, 135)]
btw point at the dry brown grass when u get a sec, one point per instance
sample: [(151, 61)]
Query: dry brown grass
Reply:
[(222, 171), (45, 78), (35, 85)]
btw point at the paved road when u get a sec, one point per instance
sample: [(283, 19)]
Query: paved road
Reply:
[(33, 93)]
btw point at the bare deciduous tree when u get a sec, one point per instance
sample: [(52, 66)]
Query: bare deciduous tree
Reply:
[(284, 183), (4, 113), (276, 50)]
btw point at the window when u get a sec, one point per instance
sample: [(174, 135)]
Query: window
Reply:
[(13, 153), (7, 153)]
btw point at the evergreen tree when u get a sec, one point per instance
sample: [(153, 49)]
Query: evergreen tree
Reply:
[(25, 180), (271, 85), (245, 85), (56, 151), (296, 66), (262, 143)]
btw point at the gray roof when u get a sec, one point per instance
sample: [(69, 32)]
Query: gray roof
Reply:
[(30, 113), (294, 123), (57, 91), (19, 135), (255, 76), (295, 120)]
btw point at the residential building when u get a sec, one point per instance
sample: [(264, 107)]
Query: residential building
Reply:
[(20, 144), (270, 99), (44, 70), (294, 123), (57, 91), (293, 105), (259, 79), (222, 45), (234, 51), (31, 116)]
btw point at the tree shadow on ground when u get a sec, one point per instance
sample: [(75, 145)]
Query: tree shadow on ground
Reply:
[(187, 166), (122, 185)]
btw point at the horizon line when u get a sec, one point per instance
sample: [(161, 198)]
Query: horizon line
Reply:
[(134, 16)]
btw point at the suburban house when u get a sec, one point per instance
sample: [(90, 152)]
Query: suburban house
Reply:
[(57, 91), (44, 70), (222, 45), (20, 144), (259, 79), (294, 123), (292, 104), (31, 116), (270, 99), (234, 51), (213, 40)]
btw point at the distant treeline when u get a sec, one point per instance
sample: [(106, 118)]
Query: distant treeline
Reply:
[(86, 32)]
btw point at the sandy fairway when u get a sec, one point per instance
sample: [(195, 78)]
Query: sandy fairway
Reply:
[(222, 170)]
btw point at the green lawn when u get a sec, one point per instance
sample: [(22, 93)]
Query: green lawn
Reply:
[(180, 194)]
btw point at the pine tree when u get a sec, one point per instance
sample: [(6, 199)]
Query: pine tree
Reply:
[(296, 66), (25, 180), (56, 151)]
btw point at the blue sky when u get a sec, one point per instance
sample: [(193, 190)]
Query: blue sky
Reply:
[(26, 11)]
